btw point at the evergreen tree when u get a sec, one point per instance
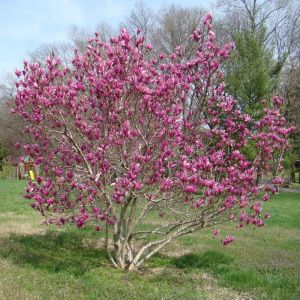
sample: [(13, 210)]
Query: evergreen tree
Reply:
[(251, 73)]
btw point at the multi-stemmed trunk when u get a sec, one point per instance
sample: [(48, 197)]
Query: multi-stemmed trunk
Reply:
[(122, 238), (119, 237)]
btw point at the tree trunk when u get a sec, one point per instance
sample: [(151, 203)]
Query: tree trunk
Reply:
[(120, 236), (293, 176)]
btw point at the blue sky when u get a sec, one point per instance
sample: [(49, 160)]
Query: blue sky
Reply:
[(27, 24)]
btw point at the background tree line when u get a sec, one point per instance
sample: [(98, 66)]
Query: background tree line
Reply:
[(264, 62)]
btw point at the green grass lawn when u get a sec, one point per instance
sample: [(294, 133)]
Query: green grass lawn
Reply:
[(38, 262)]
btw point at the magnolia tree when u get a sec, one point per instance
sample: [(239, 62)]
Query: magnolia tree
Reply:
[(122, 136)]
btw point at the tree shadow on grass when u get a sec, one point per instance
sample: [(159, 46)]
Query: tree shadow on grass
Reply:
[(66, 252), (214, 261), (53, 252)]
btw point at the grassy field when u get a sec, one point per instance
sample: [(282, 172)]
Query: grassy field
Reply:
[(38, 262)]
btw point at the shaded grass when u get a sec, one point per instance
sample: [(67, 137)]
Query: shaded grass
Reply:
[(208, 260), (52, 252), (71, 264)]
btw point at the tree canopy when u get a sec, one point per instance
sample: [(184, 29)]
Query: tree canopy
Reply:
[(121, 134)]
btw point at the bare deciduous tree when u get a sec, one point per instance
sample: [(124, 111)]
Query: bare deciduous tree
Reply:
[(174, 27), (141, 18)]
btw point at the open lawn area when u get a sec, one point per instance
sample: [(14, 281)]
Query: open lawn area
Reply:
[(38, 262)]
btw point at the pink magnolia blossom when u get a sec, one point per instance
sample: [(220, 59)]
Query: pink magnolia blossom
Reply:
[(215, 231), (228, 239), (267, 216)]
